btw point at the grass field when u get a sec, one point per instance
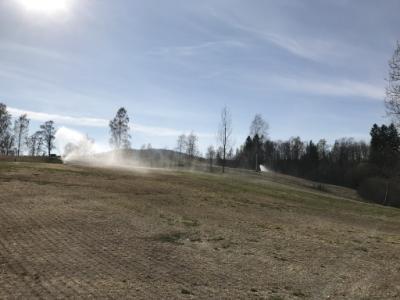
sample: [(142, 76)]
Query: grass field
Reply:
[(79, 232)]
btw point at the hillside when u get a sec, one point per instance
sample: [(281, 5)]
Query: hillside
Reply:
[(82, 232)]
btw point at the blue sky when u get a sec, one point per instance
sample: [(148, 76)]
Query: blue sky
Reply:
[(311, 68)]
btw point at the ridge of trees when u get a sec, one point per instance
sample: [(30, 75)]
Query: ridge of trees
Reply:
[(14, 140)]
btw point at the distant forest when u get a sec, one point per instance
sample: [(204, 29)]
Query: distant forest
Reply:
[(373, 169)]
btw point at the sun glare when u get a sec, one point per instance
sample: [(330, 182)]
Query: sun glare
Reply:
[(45, 6)]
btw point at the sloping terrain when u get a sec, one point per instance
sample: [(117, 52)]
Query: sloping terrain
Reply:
[(79, 232)]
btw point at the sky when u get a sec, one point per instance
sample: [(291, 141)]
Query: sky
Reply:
[(314, 69)]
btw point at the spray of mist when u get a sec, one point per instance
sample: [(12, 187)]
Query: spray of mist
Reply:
[(77, 148), (72, 144)]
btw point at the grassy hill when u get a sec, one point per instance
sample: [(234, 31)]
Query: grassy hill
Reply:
[(73, 231), (37, 159)]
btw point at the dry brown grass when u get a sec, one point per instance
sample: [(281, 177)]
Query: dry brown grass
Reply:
[(68, 231)]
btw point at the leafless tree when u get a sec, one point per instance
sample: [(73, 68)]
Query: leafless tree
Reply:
[(392, 100), (21, 130), (225, 134), (259, 127), (296, 148), (210, 156), (48, 131), (119, 129), (191, 145), (181, 147), (230, 154), (181, 143), (258, 131), (35, 143), (5, 123), (7, 144)]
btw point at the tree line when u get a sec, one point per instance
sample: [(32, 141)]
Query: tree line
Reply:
[(15, 138)]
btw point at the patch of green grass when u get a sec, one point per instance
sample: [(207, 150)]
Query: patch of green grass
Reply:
[(299, 294), (308, 198), (7, 166), (171, 237), (216, 239), (276, 297), (190, 222)]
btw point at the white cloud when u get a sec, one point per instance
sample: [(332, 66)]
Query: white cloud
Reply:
[(312, 49), (333, 87), (194, 49), (67, 120), (103, 123), (309, 47)]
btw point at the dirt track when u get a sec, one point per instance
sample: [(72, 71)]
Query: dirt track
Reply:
[(85, 233)]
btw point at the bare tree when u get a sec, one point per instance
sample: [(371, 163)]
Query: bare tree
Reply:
[(230, 154), (259, 132), (225, 134), (181, 146), (259, 127), (296, 148), (119, 129), (48, 131), (392, 100), (21, 130), (7, 144), (210, 156), (35, 143), (5, 123), (40, 143), (181, 143), (191, 145)]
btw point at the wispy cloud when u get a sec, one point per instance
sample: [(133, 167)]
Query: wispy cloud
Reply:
[(313, 49), (332, 87), (101, 123), (191, 50), (67, 120), (307, 47), (30, 50), (310, 48)]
